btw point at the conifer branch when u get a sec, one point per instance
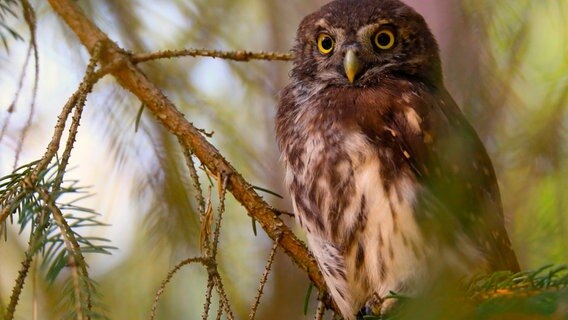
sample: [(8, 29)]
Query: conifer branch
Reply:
[(132, 79)]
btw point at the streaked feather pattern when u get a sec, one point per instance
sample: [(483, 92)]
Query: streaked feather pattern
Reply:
[(388, 179)]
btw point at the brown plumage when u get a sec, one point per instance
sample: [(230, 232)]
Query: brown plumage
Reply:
[(388, 179)]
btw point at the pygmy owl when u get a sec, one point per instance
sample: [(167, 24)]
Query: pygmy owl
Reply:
[(391, 184)]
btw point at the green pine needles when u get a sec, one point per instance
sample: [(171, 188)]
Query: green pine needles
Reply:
[(537, 294), (48, 208), (540, 294), (7, 10)]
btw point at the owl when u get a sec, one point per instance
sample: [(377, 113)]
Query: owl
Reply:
[(391, 184)]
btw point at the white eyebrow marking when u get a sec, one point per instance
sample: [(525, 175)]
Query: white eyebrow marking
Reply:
[(367, 30), (323, 24)]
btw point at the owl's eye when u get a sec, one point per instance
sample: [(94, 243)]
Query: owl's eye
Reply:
[(325, 43), (384, 39)]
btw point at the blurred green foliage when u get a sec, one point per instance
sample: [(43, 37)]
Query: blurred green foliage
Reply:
[(505, 62)]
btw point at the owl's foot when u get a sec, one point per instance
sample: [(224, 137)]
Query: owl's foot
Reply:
[(372, 308), (367, 314), (376, 307)]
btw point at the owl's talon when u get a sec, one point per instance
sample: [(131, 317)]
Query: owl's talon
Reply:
[(373, 307)]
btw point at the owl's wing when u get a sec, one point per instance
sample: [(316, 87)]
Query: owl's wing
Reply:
[(458, 182)]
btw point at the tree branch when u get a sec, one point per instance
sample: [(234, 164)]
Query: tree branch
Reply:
[(132, 79), (227, 55)]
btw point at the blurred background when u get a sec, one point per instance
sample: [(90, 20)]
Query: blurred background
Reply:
[(505, 62)]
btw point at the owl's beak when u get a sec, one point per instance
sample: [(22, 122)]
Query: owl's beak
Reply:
[(352, 65)]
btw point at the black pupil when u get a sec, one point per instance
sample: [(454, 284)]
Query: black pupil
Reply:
[(326, 43), (383, 39)]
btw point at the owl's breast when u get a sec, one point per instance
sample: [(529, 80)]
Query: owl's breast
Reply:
[(354, 193), (336, 176), (340, 197), (320, 175)]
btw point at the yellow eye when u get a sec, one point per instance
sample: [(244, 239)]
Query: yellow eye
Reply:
[(325, 43), (384, 39)]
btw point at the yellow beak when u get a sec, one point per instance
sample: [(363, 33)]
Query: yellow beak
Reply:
[(352, 65)]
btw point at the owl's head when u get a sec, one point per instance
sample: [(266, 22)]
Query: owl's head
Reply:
[(359, 42)]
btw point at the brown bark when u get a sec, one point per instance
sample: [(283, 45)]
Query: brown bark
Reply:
[(130, 77)]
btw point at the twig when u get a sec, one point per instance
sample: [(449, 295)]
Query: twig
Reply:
[(239, 55), (14, 103), (222, 191), (195, 179), (208, 293), (263, 280), (283, 213), (34, 276), (26, 263), (206, 220), (29, 16), (55, 142), (223, 300), (219, 311), (84, 89), (15, 195), (203, 219), (320, 311), (75, 256), (17, 290), (162, 288)]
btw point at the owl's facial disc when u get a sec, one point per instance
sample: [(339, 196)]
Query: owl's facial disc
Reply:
[(355, 57), (352, 65), (359, 44)]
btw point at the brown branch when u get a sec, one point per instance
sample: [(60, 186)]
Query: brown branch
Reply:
[(227, 55), (132, 79)]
